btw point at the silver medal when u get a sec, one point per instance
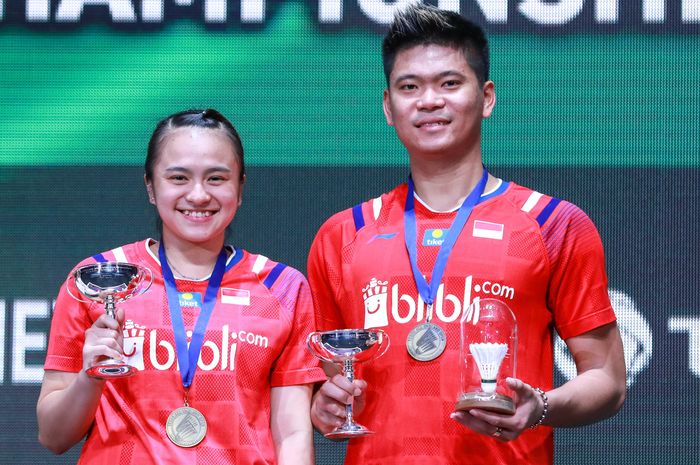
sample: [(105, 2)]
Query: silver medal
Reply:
[(426, 342), (186, 427)]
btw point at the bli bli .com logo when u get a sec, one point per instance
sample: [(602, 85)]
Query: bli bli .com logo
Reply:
[(146, 350), (382, 302)]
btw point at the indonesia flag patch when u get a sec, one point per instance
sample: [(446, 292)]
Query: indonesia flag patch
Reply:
[(488, 230), (235, 296)]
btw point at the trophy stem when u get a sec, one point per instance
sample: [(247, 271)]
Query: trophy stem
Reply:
[(349, 370), (110, 305)]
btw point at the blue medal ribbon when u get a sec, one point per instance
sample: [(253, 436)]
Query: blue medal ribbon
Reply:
[(429, 292), (187, 358)]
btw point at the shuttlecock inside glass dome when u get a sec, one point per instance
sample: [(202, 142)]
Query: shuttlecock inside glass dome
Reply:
[(488, 350), (488, 357)]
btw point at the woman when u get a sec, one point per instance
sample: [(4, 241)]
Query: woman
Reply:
[(243, 316)]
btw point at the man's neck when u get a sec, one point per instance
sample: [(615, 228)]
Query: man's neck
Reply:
[(443, 185)]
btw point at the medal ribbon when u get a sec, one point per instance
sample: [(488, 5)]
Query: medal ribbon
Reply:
[(187, 358), (429, 292)]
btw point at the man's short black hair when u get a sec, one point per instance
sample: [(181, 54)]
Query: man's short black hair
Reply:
[(421, 24)]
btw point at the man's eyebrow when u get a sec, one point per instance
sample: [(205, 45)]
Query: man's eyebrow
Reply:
[(443, 74)]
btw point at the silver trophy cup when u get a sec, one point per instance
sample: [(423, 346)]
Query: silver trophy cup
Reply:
[(109, 283), (345, 347)]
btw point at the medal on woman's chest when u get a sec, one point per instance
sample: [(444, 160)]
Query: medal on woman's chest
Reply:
[(427, 341), (186, 426)]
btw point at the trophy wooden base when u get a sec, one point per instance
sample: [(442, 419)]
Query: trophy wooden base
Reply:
[(492, 402), (111, 369)]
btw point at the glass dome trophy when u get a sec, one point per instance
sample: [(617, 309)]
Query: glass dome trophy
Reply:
[(345, 347), (487, 356), (109, 283)]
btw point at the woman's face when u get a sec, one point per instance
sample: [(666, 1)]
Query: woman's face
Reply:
[(196, 186)]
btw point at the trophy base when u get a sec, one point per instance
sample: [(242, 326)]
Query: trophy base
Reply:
[(492, 402), (111, 369), (349, 431)]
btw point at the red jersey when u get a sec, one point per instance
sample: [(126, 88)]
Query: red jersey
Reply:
[(255, 340), (541, 256)]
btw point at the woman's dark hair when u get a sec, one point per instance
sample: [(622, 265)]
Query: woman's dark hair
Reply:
[(209, 118)]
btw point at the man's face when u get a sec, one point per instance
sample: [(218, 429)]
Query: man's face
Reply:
[(435, 102)]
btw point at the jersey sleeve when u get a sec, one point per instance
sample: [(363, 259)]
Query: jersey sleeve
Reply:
[(295, 364), (578, 292), (324, 267)]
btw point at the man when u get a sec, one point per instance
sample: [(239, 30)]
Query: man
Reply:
[(453, 235)]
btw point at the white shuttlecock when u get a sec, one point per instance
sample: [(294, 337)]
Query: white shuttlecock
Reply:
[(488, 357)]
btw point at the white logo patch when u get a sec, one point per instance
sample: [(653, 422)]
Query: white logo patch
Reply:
[(375, 297)]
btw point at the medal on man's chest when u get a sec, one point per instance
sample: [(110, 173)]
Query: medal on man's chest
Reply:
[(426, 342)]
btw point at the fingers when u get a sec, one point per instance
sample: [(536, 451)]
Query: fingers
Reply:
[(106, 321), (119, 316), (341, 390), (103, 339), (329, 403), (500, 426), (518, 386), (471, 419), (528, 400)]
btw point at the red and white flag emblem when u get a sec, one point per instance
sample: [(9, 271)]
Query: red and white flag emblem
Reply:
[(235, 296), (488, 230)]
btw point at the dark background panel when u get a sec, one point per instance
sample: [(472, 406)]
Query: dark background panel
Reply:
[(647, 217)]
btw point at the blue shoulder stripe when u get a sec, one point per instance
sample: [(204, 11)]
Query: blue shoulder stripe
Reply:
[(547, 211), (358, 217), (99, 258), (273, 275)]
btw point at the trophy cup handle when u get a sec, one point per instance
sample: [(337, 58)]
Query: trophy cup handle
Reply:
[(145, 284), (70, 282), (384, 342)]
